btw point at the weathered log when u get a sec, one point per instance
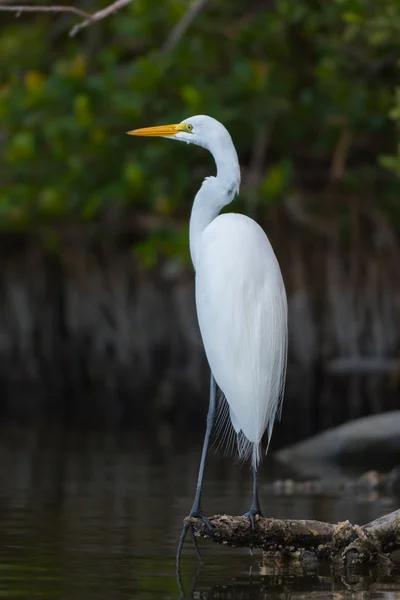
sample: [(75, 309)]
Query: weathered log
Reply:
[(342, 542)]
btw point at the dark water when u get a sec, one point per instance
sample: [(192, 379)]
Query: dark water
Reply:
[(97, 515)]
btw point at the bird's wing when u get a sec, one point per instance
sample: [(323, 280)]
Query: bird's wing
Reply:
[(242, 311)]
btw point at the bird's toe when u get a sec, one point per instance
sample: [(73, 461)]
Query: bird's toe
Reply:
[(251, 515), (199, 514)]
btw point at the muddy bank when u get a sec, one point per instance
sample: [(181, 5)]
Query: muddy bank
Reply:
[(86, 331)]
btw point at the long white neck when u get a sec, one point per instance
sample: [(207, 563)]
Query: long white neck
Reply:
[(215, 193)]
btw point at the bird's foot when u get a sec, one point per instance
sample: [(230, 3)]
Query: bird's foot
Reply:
[(197, 513), (251, 515)]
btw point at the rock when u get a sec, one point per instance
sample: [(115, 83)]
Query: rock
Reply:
[(372, 440)]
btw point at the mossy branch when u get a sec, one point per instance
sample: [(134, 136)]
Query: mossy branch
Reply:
[(341, 542)]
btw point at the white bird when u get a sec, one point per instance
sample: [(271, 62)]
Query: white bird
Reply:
[(240, 300)]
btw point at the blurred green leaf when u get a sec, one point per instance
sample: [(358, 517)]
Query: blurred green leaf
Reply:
[(303, 70)]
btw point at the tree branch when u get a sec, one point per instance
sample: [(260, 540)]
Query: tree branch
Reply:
[(54, 9), (343, 542), (100, 15), (89, 18), (183, 25)]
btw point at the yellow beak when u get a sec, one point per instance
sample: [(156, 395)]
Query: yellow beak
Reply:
[(161, 130)]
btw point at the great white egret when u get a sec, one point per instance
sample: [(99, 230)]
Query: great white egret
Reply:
[(240, 300)]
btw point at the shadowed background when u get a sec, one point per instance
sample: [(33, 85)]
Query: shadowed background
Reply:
[(97, 316)]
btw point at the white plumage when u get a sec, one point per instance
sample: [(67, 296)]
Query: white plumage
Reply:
[(241, 307)]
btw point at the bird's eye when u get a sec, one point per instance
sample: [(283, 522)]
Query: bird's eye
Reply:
[(189, 127)]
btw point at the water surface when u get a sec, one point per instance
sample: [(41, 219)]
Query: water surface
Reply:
[(97, 515)]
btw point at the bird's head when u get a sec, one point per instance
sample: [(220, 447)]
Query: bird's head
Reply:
[(200, 130)]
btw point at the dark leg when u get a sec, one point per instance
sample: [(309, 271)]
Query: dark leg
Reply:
[(255, 508), (196, 510)]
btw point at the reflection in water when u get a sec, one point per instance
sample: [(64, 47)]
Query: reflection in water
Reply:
[(98, 514), (313, 586)]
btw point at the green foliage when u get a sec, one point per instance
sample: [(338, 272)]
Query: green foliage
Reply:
[(305, 71)]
